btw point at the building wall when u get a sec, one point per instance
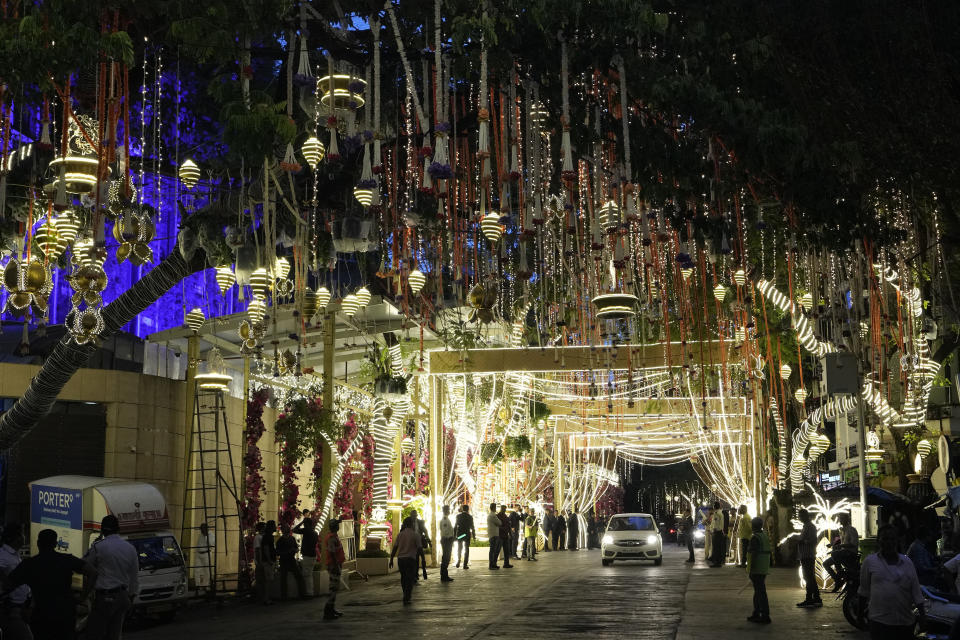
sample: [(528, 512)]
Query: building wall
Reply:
[(145, 439)]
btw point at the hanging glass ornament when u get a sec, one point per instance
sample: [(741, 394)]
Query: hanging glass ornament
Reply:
[(189, 173), (195, 319), (225, 278), (313, 151), (76, 172)]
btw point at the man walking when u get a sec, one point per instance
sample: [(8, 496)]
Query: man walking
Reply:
[(758, 566), (13, 623), (505, 536), (530, 536), (493, 533), (49, 575), (808, 560), (333, 549), (447, 536), (465, 532), (308, 550), (406, 547), (117, 564)]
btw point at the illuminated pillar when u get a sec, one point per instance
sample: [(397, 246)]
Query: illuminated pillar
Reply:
[(557, 471), (329, 377), (435, 448), (189, 400)]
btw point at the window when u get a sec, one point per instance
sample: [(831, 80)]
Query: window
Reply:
[(157, 553), (631, 523)]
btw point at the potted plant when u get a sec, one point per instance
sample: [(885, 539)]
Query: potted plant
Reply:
[(374, 562), (386, 384)]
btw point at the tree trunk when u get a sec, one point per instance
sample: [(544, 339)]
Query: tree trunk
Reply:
[(68, 356)]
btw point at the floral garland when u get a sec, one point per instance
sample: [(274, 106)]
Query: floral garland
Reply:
[(289, 507), (253, 480), (343, 498), (366, 480), (423, 479), (297, 430)]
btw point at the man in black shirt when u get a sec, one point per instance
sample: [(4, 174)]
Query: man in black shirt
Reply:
[(515, 519), (465, 532), (307, 531), (49, 575)]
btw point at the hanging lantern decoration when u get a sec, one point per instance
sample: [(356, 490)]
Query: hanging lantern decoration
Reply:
[(225, 278), (189, 173), (134, 230), (68, 227), (363, 195), (195, 319), (341, 91), (256, 310), (309, 304), (800, 394), (281, 268), (610, 215), (924, 448), (740, 334), (720, 293), (613, 306), (27, 282), (416, 280), (686, 272), (406, 445), (260, 282), (76, 172), (323, 297), (740, 277), (313, 151), (491, 227), (349, 305), (363, 297), (806, 301), (785, 371), (47, 239)]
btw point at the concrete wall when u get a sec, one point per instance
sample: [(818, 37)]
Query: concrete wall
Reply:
[(145, 438)]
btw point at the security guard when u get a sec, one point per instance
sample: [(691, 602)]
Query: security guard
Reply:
[(118, 565)]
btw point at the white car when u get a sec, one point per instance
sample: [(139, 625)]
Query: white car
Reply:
[(631, 536)]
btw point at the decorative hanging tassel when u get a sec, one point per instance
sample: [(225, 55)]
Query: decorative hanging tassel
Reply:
[(529, 231), (524, 271), (333, 151), (23, 349), (304, 74), (514, 162), (440, 169), (567, 171), (483, 148), (571, 219), (566, 150), (60, 199), (596, 242), (539, 217), (45, 142), (426, 151)]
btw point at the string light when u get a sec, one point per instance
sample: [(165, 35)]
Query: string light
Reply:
[(323, 297)]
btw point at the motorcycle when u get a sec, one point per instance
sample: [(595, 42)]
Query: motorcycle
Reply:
[(854, 607), (942, 611)]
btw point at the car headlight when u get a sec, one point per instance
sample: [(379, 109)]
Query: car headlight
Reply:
[(652, 539), (607, 539), (698, 534)]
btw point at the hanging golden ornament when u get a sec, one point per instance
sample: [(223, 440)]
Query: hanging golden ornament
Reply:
[(416, 280), (313, 151), (189, 173), (134, 231), (491, 227), (924, 448), (281, 268), (256, 310), (195, 319), (48, 240), (610, 215), (341, 91), (363, 195), (225, 278), (720, 293), (26, 282), (68, 227), (686, 272), (309, 304), (806, 301), (260, 282), (800, 394), (785, 371), (740, 277), (363, 297), (323, 297), (349, 305)]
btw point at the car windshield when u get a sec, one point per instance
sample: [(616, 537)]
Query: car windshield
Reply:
[(157, 553), (631, 523)]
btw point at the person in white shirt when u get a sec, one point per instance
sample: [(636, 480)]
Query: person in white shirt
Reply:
[(203, 572), (717, 546), (843, 555), (118, 572), (889, 580), (447, 536), (12, 622)]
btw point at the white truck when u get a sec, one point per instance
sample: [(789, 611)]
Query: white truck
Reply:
[(73, 506)]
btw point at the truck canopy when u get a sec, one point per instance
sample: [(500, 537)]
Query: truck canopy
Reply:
[(138, 506)]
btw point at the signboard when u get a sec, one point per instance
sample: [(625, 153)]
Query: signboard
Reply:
[(61, 510)]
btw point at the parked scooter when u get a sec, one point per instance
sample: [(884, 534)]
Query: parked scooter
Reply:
[(942, 609), (854, 607)]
